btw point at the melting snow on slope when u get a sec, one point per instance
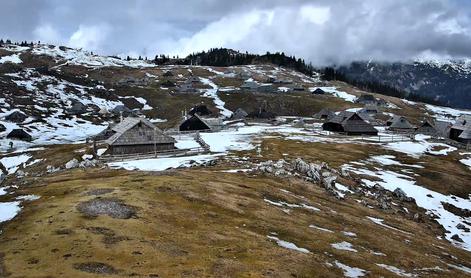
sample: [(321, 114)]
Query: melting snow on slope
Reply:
[(213, 93), (420, 147), (351, 272), (288, 205), (288, 245), (380, 222), (12, 163), (425, 198), (14, 58), (9, 210), (164, 163), (445, 113), (320, 228), (396, 270), (186, 141), (466, 161), (345, 246), (333, 90)]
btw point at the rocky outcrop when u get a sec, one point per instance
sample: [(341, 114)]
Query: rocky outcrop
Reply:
[(318, 173)]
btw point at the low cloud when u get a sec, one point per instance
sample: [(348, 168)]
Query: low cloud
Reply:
[(323, 32)]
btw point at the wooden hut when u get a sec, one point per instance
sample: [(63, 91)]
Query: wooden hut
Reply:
[(297, 88), (249, 86), (350, 123), (427, 127), (16, 117), (465, 136), (370, 109), (137, 136), (77, 108), (400, 123), (318, 91), (299, 123), (122, 110), (239, 114), (366, 99), (20, 134), (168, 74), (197, 123), (187, 87), (443, 129), (201, 110), (265, 88), (194, 79), (324, 115), (461, 124), (168, 84), (261, 113)]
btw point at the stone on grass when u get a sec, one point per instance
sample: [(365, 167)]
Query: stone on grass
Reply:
[(74, 163), (112, 207)]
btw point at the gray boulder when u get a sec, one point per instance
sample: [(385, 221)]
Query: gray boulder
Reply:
[(74, 163), (401, 195), (52, 169)]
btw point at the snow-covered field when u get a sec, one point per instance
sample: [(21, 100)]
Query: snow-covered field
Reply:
[(420, 147), (160, 164)]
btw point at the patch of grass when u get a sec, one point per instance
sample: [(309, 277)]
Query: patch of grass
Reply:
[(286, 104), (207, 223)]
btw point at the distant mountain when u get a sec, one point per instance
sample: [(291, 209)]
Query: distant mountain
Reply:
[(448, 82)]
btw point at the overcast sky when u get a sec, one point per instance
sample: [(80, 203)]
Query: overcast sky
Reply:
[(323, 31)]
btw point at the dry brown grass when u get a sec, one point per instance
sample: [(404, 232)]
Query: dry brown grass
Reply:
[(198, 223)]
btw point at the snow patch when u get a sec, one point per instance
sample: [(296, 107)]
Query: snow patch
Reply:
[(288, 245), (345, 246), (161, 164), (14, 58), (351, 272)]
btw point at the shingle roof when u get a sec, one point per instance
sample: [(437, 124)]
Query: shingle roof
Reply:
[(466, 134), (239, 113), (128, 123), (400, 122), (443, 128), (324, 113), (463, 122), (353, 122), (212, 123)]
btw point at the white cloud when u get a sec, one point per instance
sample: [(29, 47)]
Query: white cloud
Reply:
[(317, 15), (89, 37), (321, 31), (47, 33)]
